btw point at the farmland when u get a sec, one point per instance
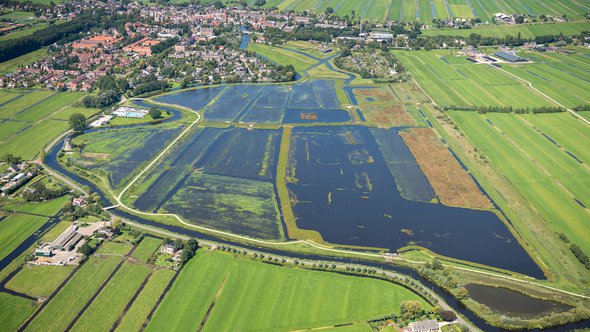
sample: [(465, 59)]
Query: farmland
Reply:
[(525, 31), (15, 228), (450, 82), (423, 10), (34, 119), (39, 281), (242, 291), (553, 181)]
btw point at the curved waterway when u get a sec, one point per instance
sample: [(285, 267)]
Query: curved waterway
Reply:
[(456, 305)]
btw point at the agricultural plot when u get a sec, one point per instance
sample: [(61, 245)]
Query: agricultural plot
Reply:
[(14, 311), (119, 153), (137, 314), (11, 65), (285, 57), (39, 281), (62, 309), (449, 83), (195, 99), (15, 228), (29, 122), (541, 167), (565, 78), (240, 293), (525, 31), (345, 190), (146, 248), (110, 302)]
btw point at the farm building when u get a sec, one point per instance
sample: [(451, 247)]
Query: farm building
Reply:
[(509, 56), (430, 325)]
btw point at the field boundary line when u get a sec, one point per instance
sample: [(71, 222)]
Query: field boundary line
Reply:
[(543, 94)]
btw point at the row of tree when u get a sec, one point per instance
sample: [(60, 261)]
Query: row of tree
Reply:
[(505, 109)]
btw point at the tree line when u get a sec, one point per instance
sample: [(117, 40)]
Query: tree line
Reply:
[(505, 109)]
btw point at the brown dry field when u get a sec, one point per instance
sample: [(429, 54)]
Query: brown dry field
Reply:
[(382, 94), (389, 116), (450, 181)]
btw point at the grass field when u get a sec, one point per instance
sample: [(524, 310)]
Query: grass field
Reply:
[(14, 311), (253, 296), (145, 301), (10, 65), (39, 281), (62, 309), (108, 305), (565, 78), (23, 32), (15, 228), (114, 248), (284, 57), (146, 248), (526, 31), (548, 177), (414, 10), (460, 83), (35, 119), (48, 208)]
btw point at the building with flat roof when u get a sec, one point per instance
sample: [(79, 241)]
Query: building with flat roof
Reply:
[(509, 56), (430, 325)]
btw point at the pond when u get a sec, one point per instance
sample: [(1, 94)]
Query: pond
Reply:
[(512, 303)]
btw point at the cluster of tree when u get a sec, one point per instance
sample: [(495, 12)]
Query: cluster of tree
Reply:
[(436, 273), (104, 99), (78, 121), (110, 83), (505, 109), (86, 249), (40, 192), (65, 63), (282, 73), (135, 234), (93, 208), (12, 48), (189, 248), (155, 113), (148, 84), (10, 158), (411, 310), (579, 108), (367, 72), (576, 250), (580, 255), (302, 32), (161, 47)]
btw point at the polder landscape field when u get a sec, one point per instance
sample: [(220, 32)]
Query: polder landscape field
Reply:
[(458, 191)]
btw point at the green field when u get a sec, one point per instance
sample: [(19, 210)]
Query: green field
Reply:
[(14, 311), (254, 296), (146, 248), (48, 208), (414, 10), (143, 304), (39, 281), (35, 119), (62, 309), (451, 80), (526, 31), (15, 228), (114, 248), (565, 78), (108, 305), (548, 177), (282, 56), (10, 65)]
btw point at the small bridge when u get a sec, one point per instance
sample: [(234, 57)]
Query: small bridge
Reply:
[(111, 207)]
